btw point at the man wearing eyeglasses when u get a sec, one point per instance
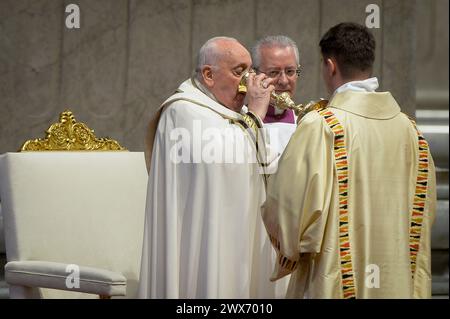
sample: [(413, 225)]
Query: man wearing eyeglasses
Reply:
[(278, 58)]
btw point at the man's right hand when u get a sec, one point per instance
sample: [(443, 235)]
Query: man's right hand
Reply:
[(259, 88)]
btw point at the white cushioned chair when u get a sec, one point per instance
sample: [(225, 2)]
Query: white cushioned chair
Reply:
[(73, 222)]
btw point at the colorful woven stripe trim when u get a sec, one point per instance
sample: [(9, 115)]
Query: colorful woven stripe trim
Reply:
[(340, 156), (420, 196), (284, 261)]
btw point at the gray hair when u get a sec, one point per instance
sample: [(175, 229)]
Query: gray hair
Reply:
[(208, 54), (272, 41)]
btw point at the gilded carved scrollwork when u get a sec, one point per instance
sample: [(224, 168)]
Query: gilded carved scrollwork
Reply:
[(70, 135)]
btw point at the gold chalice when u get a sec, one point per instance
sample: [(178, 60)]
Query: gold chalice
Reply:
[(284, 101)]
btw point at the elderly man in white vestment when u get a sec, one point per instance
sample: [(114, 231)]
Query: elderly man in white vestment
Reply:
[(350, 209), (204, 236)]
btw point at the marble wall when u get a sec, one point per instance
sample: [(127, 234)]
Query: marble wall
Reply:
[(129, 55), (432, 55)]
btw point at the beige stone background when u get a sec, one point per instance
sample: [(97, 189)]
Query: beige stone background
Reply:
[(129, 55)]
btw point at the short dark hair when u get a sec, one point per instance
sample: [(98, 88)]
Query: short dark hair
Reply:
[(352, 45)]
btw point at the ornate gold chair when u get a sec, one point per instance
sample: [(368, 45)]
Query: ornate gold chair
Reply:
[(73, 207)]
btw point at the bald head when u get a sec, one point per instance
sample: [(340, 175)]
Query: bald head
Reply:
[(220, 65), (214, 51)]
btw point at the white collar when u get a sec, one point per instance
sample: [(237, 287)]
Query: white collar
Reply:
[(368, 85)]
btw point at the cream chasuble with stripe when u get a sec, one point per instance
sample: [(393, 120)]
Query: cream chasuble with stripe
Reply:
[(351, 206), (204, 235)]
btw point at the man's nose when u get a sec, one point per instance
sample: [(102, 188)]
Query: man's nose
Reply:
[(283, 79)]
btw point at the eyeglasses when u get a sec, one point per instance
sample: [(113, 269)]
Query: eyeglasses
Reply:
[(290, 73)]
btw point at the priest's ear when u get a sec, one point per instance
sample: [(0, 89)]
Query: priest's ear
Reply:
[(329, 72), (207, 75), (330, 66)]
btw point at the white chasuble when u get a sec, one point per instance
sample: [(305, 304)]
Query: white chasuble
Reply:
[(204, 236), (351, 206)]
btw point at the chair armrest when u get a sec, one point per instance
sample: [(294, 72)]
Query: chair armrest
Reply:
[(45, 274)]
